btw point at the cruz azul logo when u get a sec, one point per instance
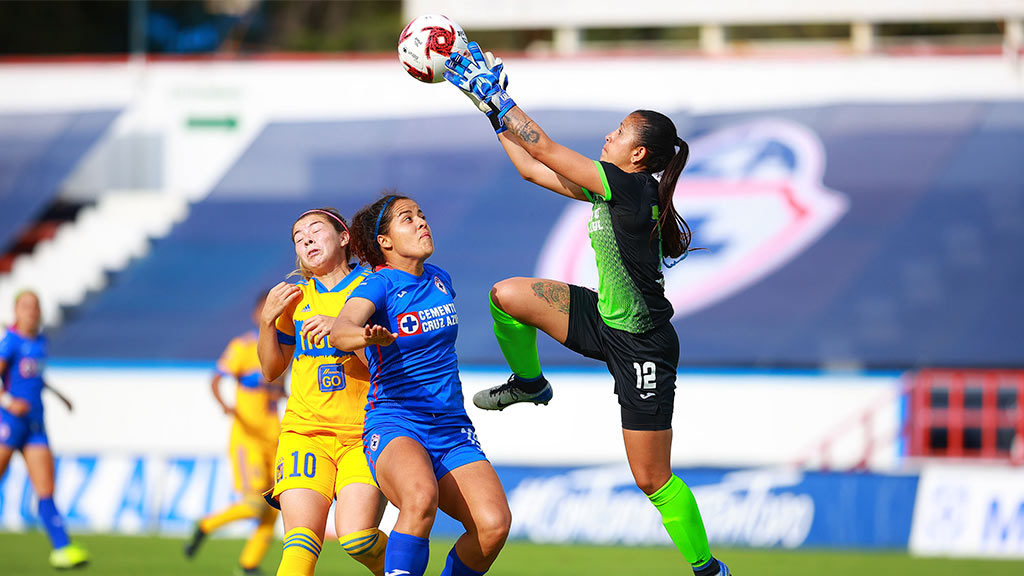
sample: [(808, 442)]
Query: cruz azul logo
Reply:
[(409, 324), (752, 195), (435, 318)]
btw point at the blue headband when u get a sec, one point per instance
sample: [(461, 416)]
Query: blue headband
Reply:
[(376, 229)]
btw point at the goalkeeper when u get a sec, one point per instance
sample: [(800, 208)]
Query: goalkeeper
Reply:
[(627, 322)]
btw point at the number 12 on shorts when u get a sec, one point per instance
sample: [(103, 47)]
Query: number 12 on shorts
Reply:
[(645, 377)]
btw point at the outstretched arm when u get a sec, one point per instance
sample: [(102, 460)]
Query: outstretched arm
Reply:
[(537, 158), (351, 331), (575, 168), (534, 171)]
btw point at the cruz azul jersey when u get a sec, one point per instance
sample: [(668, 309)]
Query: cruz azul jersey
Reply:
[(328, 386), (24, 359), (419, 371), (255, 410)]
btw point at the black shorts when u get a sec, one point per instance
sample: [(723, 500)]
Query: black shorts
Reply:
[(642, 365)]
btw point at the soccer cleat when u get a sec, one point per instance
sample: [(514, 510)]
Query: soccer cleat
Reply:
[(70, 556), (192, 546), (511, 392), (242, 571), (719, 567)]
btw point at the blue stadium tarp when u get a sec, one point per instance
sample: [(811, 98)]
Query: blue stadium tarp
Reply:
[(37, 152), (885, 235)]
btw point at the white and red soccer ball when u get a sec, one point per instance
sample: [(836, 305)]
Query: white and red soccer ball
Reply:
[(425, 44)]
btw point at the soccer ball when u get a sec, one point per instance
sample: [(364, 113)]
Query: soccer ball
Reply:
[(426, 43)]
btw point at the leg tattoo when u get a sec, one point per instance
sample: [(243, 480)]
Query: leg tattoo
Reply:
[(555, 294)]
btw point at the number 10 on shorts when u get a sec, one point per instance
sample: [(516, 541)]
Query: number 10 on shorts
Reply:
[(645, 378), (308, 465)]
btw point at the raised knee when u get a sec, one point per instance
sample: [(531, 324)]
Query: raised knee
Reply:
[(499, 294), (504, 292)]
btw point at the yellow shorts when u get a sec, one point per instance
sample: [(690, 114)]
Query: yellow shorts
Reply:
[(325, 463), (252, 461)]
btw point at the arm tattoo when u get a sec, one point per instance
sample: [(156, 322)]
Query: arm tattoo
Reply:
[(556, 294), (522, 126), (527, 133)]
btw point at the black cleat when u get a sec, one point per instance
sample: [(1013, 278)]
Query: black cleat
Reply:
[(192, 546)]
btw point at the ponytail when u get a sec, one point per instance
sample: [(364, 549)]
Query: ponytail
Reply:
[(657, 134), (675, 232)]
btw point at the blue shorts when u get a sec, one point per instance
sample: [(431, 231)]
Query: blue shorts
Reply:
[(16, 433), (449, 439)]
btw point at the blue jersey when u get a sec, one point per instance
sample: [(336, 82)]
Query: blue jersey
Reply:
[(22, 377), (420, 370)]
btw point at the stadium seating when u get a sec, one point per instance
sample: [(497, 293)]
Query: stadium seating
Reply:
[(37, 152), (921, 268)]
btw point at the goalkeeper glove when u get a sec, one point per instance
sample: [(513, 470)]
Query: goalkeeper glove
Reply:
[(482, 78)]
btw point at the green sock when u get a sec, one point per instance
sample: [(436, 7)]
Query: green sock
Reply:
[(682, 520), (518, 343)]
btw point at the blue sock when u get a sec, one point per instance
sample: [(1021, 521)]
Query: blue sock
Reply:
[(454, 567), (406, 552), (53, 523)]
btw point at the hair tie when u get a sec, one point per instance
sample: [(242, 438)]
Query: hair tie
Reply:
[(319, 211), (679, 142), (376, 228), (676, 261)]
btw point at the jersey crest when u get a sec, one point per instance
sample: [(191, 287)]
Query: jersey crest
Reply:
[(753, 196), (409, 324)]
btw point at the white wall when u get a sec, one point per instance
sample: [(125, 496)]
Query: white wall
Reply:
[(144, 449), (721, 419)]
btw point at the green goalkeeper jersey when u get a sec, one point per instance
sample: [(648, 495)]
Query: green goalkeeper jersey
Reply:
[(627, 242)]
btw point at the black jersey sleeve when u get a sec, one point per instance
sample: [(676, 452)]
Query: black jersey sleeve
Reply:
[(623, 188)]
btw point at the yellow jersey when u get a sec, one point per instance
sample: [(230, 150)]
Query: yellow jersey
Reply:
[(328, 386), (255, 406)]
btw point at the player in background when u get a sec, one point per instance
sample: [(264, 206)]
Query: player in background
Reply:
[(22, 358), (627, 322), (255, 427), (319, 453), (419, 441)]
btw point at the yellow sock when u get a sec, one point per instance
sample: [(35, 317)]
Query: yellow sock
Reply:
[(367, 547), (244, 509), (256, 548), (301, 549)]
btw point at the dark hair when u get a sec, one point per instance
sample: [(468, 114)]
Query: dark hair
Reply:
[(657, 133), (369, 222), (335, 219)]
